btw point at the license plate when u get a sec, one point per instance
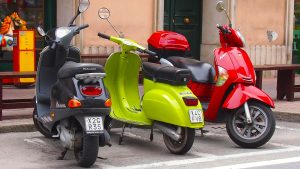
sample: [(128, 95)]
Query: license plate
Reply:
[(196, 116), (93, 124)]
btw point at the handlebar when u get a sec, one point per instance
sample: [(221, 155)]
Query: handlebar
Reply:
[(221, 28), (83, 27), (104, 36), (151, 53)]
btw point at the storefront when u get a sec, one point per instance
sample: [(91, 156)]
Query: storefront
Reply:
[(18, 14)]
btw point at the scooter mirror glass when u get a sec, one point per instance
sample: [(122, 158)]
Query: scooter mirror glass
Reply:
[(220, 6), (83, 6), (41, 31), (104, 13)]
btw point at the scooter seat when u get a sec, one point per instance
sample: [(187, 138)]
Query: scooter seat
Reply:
[(166, 74), (70, 69), (201, 72)]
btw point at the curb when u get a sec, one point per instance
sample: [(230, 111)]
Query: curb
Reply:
[(287, 117), (25, 127), (17, 128)]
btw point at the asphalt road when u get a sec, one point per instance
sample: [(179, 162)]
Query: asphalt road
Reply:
[(214, 150)]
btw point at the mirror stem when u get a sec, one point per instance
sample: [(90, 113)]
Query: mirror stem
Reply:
[(230, 23), (73, 19), (114, 29)]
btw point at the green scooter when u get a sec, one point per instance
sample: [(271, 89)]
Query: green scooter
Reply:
[(167, 104)]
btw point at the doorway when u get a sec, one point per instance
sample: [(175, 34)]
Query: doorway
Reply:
[(185, 17)]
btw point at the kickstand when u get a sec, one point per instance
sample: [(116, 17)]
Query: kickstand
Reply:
[(122, 134), (203, 132), (151, 134), (102, 158), (63, 154)]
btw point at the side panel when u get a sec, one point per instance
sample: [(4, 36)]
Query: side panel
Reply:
[(240, 94), (122, 82), (164, 103)]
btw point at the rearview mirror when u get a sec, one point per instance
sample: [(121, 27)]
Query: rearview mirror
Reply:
[(83, 6), (220, 6), (41, 31), (104, 13)]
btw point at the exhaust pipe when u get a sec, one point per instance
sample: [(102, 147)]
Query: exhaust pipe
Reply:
[(166, 129)]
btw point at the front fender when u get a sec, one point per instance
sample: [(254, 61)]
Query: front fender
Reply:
[(241, 94)]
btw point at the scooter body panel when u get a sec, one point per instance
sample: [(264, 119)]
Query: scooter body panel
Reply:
[(164, 103), (122, 83), (241, 94)]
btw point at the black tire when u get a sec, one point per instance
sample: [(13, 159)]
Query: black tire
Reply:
[(182, 146), (87, 154), (39, 126), (261, 129)]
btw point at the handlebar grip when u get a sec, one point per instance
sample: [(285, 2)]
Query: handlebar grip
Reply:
[(83, 26), (101, 35), (150, 52)]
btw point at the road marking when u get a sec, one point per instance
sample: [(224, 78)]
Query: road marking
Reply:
[(287, 128), (205, 159), (261, 163), (36, 141)]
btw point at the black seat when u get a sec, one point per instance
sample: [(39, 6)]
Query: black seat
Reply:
[(70, 69), (201, 72), (166, 74)]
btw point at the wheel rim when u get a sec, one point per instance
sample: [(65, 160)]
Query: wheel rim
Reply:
[(250, 131), (181, 143)]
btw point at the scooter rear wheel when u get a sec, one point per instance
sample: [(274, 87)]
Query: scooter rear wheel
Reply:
[(182, 146), (253, 135), (39, 126), (87, 153)]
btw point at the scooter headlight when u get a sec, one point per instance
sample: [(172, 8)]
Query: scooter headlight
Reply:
[(223, 76), (62, 32)]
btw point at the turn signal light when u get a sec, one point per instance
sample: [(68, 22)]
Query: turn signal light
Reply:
[(107, 103), (190, 101), (73, 103)]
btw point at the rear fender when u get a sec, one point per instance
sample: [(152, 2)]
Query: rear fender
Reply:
[(241, 94), (164, 103)]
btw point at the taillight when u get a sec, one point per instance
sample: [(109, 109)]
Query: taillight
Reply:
[(190, 101), (91, 90)]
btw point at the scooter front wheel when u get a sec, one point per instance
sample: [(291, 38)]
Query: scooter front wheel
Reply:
[(87, 153), (255, 134), (185, 143)]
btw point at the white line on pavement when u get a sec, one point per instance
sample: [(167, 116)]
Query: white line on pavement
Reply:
[(287, 128), (205, 159), (261, 163)]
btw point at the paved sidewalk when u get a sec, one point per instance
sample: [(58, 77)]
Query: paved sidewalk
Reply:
[(287, 111)]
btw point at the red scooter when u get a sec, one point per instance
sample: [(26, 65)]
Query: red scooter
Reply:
[(228, 91)]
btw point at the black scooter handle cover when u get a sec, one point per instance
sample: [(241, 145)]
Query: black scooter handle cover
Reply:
[(83, 27), (102, 35)]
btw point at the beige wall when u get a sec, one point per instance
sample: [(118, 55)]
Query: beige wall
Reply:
[(255, 17), (135, 18)]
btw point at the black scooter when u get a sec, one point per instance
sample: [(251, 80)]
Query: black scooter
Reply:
[(71, 99)]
